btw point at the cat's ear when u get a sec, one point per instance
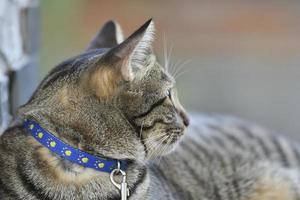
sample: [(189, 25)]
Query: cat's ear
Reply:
[(122, 61), (108, 36), (132, 54)]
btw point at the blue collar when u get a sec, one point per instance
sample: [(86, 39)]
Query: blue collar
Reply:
[(70, 153)]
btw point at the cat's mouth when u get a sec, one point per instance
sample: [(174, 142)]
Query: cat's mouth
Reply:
[(173, 135)]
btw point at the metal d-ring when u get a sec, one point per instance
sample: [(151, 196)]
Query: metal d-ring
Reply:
[(121, 186), (115, 172)]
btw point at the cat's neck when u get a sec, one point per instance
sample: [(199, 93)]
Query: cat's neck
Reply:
[(51, 174)]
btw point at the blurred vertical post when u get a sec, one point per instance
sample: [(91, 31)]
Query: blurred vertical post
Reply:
[(19, 35)]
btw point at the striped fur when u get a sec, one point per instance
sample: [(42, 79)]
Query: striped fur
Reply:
[(219, 158)]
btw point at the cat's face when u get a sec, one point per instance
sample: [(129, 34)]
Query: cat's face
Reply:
[(114, 101), (152, 106)]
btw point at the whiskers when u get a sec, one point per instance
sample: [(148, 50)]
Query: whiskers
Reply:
[(167, 55), (158, 144), (178, 68)]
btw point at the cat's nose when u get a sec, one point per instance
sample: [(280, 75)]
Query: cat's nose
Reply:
[(186, 121), (183, 118)]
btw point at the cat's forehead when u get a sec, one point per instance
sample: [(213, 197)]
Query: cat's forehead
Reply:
[(154, 76), (163, 74)]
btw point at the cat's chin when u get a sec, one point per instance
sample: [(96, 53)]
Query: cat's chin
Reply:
[(173, 144)]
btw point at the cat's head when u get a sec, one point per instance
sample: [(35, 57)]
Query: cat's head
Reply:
[(114, 100)]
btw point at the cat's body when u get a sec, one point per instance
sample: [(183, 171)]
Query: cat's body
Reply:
[(118, 102)]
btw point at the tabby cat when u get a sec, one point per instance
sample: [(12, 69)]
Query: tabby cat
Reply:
[(116, 101)]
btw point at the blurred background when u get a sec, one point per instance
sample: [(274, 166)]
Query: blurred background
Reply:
[(243, 56)]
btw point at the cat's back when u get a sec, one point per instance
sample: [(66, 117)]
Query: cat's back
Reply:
[(233, 137)]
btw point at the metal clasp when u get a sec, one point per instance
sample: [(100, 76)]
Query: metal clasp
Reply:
[(121, 186)]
